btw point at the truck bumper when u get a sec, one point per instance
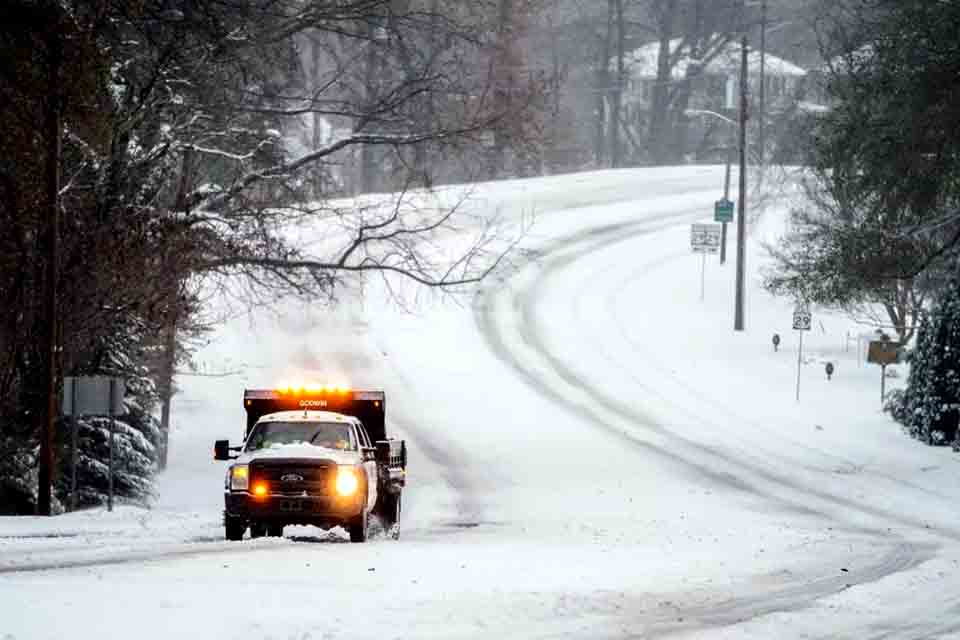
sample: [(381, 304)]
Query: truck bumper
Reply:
[(323, 511)]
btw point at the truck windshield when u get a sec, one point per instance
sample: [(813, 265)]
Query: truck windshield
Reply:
[(332, 435)]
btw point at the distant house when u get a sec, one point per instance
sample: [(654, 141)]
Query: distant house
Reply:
[(719, 79), (717, 86)]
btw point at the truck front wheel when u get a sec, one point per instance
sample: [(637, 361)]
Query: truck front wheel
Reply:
[(234, 529), (358, 528)]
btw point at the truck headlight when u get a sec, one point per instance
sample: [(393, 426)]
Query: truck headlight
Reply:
[(239, 477), (347, 481)]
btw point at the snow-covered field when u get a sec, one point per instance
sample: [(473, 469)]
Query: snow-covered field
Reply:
[(594, 453)]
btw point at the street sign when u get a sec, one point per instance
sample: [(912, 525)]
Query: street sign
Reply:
[(723, 211), (883, 352), (91, 395), (705, 238)]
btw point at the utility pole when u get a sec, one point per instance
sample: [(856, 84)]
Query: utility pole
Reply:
[(366, 149), (742, 200), (48, 415), (726, 197), (616, 143), (503, 82)]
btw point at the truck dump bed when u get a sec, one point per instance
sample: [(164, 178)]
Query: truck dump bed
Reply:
[(368, 406)]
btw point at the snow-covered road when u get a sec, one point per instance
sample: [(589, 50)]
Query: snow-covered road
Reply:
[(593, 454)]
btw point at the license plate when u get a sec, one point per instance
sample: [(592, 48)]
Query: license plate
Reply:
[(291, 505)]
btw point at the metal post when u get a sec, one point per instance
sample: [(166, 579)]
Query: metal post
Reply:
[(883, 383), (74, 454), (799, 362), (110, 465), (742, 203), (703, 271), (726, 197)]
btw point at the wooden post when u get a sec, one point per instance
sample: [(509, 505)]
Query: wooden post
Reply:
[(738, 320)]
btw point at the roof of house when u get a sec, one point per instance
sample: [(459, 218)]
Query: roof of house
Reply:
[(642, 62)]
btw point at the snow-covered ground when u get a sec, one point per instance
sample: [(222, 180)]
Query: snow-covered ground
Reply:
[(594, 453)]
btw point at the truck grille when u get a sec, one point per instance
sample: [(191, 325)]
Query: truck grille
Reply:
[(294, 478)]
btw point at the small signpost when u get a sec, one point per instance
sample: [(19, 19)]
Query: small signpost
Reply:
[(723, 211), (704, 239), (801, 323), (92, 396), (884, 352)]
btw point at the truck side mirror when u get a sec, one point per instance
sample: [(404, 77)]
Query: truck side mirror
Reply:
[(369, 453), (221, 450)]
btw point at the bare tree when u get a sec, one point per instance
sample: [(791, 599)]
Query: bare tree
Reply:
[(181, 164)]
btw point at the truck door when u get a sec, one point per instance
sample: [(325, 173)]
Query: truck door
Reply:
[(370, 466)]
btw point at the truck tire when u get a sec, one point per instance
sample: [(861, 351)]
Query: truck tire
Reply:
[(358, 528), (234, 529), (389, 514), (395, 530), (257, 529), (275, 530)]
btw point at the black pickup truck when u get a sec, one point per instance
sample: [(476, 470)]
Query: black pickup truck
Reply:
[(320, 457)]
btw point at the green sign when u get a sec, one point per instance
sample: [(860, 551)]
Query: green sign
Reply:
[(723, 211)]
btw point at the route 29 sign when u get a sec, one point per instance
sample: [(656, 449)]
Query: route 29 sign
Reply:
[(801, 319)]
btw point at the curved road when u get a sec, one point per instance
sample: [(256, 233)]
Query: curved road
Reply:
[(511, 322)]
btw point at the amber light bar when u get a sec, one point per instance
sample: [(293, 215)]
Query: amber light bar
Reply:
[(294, 388)]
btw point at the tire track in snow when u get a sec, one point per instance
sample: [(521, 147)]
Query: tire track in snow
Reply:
[(702, 460), (453, 463), (697, 457), (722, 609), (106, 557)]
